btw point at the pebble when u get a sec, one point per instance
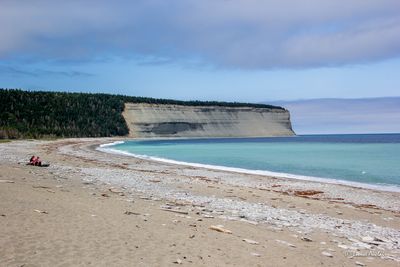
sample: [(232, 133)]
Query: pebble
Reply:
[(307, 239), (285, 243), (255, 254), (359, 263), (249, 241), (327, 254), (178, 261)]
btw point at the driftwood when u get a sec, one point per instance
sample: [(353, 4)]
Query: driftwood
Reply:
[(7, 181), (41, 186), (249, 241), (176, 211), (220, 228), (306, 193), (41, 211), (131, 213), (113, 190)]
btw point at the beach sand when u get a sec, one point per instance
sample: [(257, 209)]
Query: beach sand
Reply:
[(90, 208)]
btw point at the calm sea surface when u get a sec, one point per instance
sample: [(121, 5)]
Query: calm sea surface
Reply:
[(372, 159)]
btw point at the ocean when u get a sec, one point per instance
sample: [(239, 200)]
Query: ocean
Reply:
[(366, 160)]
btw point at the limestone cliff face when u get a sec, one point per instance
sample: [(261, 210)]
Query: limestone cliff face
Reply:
[(159, 120)]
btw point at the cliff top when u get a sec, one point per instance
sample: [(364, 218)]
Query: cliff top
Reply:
[(138, 99)]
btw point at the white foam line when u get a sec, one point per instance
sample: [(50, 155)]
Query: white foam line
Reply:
[(112, 144), (390, 188)]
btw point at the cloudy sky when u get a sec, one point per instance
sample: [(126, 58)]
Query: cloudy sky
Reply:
[(338, 116), (232, 50)]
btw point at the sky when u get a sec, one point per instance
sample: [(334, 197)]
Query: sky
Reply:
[(227, 50), (344, 116)]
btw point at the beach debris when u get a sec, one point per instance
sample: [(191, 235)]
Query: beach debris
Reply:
[(248, 221), (322, 243), (7, 181), (307, 193), (249, 241), (367, 239), (339, 213), (131, 213), (178, 261), (307, 239), (353, 240), (174, 210), (359, 263), (208, 216), (382, 239), (178, 203), (368, 206), (327, 254), (255, 254), (191, 236), (104, 195), (116, 191), (41, 186), (285, 243), (155, 180), (220, 228), (41, 211)]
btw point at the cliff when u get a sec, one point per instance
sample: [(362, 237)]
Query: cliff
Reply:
[(166, 120)]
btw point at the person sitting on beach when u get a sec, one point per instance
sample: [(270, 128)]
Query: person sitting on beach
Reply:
[(32, 161), (38, 162)]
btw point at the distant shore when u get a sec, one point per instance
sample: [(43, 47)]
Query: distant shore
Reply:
[(155, 213)]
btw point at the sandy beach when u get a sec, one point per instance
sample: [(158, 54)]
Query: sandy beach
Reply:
[(90, 208)]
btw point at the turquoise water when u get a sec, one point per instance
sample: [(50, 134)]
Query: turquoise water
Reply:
[(371, 159)]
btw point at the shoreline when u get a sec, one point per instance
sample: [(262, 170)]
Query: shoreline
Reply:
[(173, 209), (106, 148)]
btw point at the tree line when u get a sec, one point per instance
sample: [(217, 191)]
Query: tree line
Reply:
[(38, 114)]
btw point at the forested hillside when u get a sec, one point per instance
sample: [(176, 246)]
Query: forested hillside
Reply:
[(35, 114)]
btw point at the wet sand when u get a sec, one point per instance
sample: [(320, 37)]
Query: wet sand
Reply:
[(92, 208)]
